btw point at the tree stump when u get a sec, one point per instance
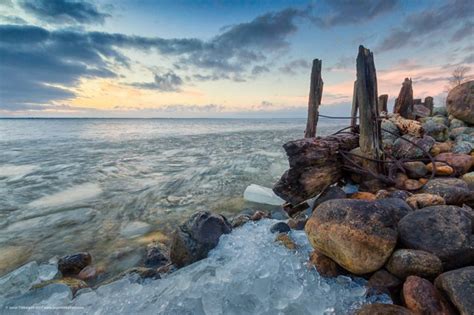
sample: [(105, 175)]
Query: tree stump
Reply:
[(370, 134), (315, 94), (404, 102)]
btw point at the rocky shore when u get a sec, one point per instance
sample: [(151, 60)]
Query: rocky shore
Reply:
[(411, 240)]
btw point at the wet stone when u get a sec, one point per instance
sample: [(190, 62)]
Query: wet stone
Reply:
[(73, 264), (280, 227)]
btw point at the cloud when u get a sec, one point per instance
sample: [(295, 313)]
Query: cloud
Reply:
[(64, 11), (420, 24), (345, 12), (260, 69), (166, 82), (467, 30), (294, 66), (11, 19)]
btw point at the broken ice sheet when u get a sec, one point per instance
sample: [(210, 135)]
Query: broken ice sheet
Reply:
[(260, 194)]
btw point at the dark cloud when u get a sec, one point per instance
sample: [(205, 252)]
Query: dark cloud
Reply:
[(64, 11), (166, 82), (294, 66), (420, 24), (467, 30), (259, 70), (345, 12)]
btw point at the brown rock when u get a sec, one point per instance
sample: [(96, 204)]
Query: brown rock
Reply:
[(419, 201), (410, 262), (297, 224), (458, 285), (460, 162), (358, 235), (286, 241), (383, 281), (423, 180), (421, 297), (258, 215), (383, 309), (460, 102), (71, 265), (363, 195), (412, 185), (87, 273), (325, 266), (441, 169), (239, 220), (400, 179), (333, 192), (441, 147)]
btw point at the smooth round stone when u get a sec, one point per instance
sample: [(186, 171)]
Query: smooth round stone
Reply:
[(421, 297), (458, 286), (469, 179), (280, 227), (410, 262)]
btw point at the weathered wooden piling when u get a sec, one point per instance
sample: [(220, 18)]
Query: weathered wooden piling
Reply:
[(404, 102), (315, 95), (383, 100), (367, 99), (429, 104), (355, 107)]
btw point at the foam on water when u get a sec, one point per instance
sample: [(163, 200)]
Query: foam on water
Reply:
[(11, 170), (69, 196), (247, 273)]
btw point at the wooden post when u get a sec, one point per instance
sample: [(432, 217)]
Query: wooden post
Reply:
[(370, 135), (315, 94), (355, 108), (404, 102), (429, 104), (383, 100)]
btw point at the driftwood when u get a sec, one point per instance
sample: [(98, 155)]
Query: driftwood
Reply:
[(314, 165), (315, 94), (383, 100), (404, 102), (407, 126), (429, 104), (370, 140)]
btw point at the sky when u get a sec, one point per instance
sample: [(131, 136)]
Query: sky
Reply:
[(204, 58)]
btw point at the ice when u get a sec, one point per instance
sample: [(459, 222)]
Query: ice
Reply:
[(247, 273), (47, 272), (350, 188), (69, 196), (262, 194), (16, 171), (19, 280)]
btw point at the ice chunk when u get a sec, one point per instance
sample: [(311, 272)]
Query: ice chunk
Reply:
[(350, 188), (260, 194), (134, 229), (72, 195), (55, 294), (19, 280), (247, 273), (47, 272)]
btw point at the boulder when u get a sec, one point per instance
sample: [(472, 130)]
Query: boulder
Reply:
[(444, 231), (325, 266), (438, 131), (460, 102), (71, 265), (419, 201), (421, 297), (359, 235), (454, 191), (333, 192), (197, 236), (415, 169), (411, 262), (383, 309), (460, 162), (458, 285), (406, 149)]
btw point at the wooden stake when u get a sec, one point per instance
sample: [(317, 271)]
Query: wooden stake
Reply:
[(370, 135), (404, 102), (355, 108), (383, 99), (315, 94)]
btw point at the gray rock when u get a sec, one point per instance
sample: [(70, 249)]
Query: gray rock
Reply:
[(440, 110), (411, 262), (405, 149), (456, 123), (469, 179), (193, 240), (444, 231), (463, 147), (436, 130), (415, 169), (280, 227), (458, 285), (453, 190)]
